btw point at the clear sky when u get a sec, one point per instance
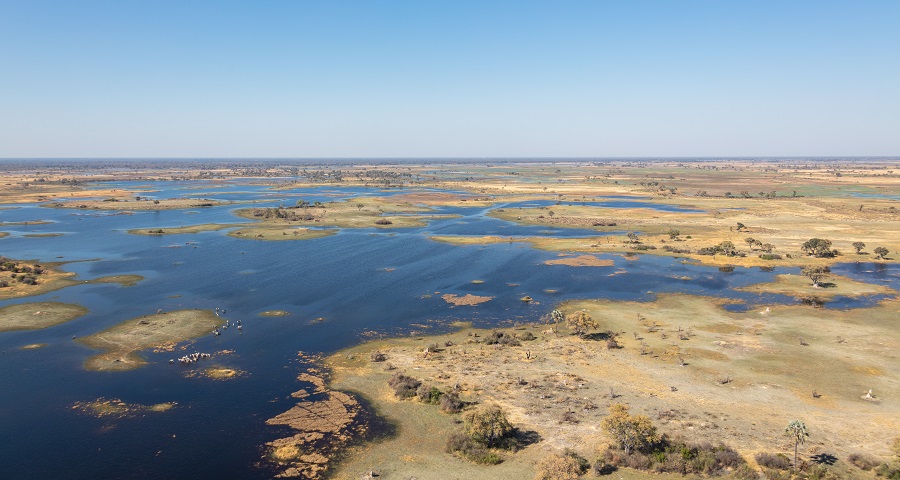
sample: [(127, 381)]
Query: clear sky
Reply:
[(379, 78)]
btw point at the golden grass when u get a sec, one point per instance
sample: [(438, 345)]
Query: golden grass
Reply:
[(690, 343)]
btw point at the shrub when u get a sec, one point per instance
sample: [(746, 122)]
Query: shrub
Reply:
[(467, 448), (861, 461), (451, 403), (745, 472), (500, 338), (429, 394), (889, 471), (770, 256), (560, 466), (4, 284), (768, 460), (526, 336), (678, 456), (404, 386), (384, 222), (377, 356)]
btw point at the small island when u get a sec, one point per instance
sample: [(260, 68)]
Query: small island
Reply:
[(120, 344)]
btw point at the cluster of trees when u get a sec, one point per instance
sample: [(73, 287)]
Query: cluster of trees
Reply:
[(19, 272), (726, 248), (405, 387), (291, 214)]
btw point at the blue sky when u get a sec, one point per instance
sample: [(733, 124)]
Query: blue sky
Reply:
[(123, 78)]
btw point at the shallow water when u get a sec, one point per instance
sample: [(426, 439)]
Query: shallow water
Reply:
[(218, 427)]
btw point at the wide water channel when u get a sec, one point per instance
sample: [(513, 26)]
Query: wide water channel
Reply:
[(360, 282)]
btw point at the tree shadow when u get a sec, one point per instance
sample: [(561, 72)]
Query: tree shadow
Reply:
[(813, 301), (827, 285), (824, 459), (598, 336), (527, 437)]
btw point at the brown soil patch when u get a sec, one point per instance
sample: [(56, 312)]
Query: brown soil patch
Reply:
[(581, 261), (467, 299)]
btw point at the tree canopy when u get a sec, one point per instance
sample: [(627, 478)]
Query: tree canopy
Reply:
[(818, 247), (487, 424), (629, 431)]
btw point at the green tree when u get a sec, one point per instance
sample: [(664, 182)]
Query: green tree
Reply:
[(859, 246), (818, 247), (629, 431), (726, 248), (880, 252), (556, 316), (796, 431), (487, 424), (580, 322), (673, 233), (815, 273)]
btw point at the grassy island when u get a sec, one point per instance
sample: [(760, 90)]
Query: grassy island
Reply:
[(34, 316), (120, 344)]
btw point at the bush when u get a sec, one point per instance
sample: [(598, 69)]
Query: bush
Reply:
[(678, 456), (861, 461), (500, 338), (770, 256), (404, 386), (429, 394), (377, 356), (745, 472), (768, 460), (891, 472), (526, 336), (465, 447), (567, 465), (4, 284), (450, 403)]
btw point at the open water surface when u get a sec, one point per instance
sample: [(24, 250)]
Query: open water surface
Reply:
[(360, 281)]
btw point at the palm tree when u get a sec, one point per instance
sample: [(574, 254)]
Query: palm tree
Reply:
[(796, 431)]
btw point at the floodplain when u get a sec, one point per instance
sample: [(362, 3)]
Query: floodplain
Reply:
[(721, 299)]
